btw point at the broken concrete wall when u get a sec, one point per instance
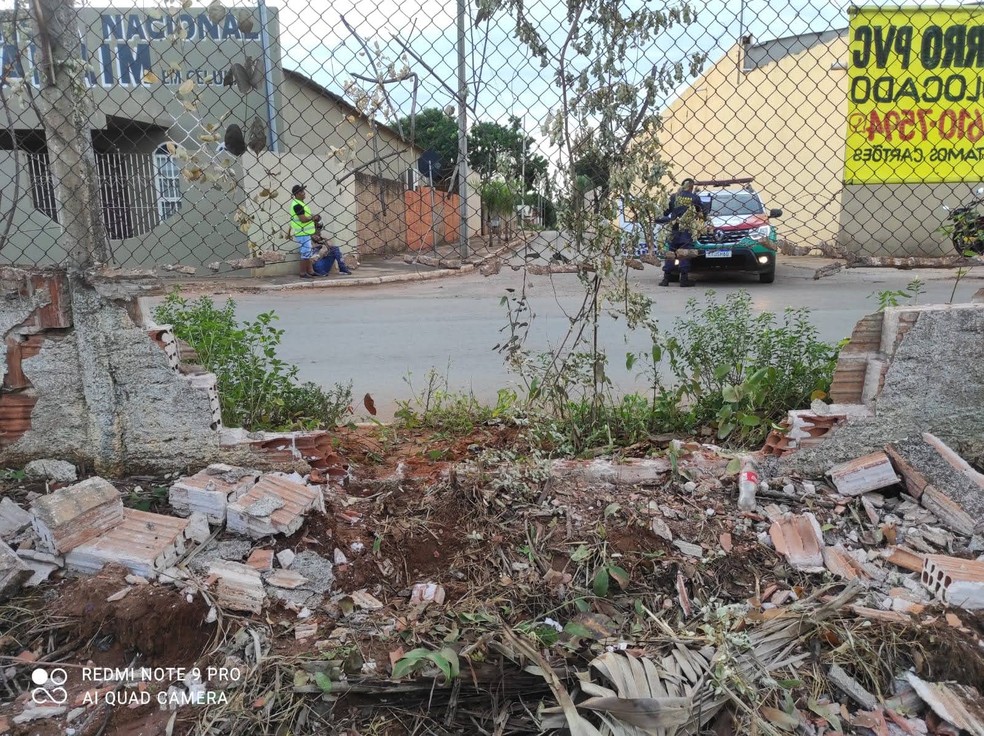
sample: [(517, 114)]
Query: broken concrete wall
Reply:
[(94, 385), (922, 371)]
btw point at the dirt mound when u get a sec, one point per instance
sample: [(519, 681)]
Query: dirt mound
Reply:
[(158, 622)]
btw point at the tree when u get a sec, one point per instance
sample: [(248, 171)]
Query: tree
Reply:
[(433, 128), (496, 149)]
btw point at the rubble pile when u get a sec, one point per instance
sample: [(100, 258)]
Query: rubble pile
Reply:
[(497, 591)]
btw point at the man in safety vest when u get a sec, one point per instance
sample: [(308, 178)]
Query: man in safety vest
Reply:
[(303, 225)]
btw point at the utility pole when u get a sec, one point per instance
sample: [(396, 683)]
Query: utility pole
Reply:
[(66, 108), (462, 135)]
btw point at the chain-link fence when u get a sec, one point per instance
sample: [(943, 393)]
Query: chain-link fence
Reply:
[(863, 126)]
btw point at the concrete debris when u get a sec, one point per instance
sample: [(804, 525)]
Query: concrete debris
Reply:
[(960, 705), (952, 493), (368, 602), (237, 587), (13, 571), (209, 490), (71, 516), (198, 529), (305, 631), (143, 542), (272, 506), (286, 558), (955, 581), (868, 473), (891, 359), (56, 471), (661, 529), (633, 471), (844, 565), (798, 537), (850, 687), (691, 550), (316, 569), (286, 579), (13, 519), (427, 593), (38, 712)]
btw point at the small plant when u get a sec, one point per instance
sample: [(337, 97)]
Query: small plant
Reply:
[(895, 297), (257, 390), (446, 660), (454, 413), (14, 475), (961, 272)]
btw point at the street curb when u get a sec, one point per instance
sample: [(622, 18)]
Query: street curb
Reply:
[(394, 279)]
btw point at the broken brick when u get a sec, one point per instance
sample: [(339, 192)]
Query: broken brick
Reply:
[(800, 540), (143, 542), (868, 473), (954, 581), (208, 491), (274, 505), (261, 560), (237, 587), (13, 571), (71, 516)]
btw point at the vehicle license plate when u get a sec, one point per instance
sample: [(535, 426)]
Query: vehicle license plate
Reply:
[(718, 254)]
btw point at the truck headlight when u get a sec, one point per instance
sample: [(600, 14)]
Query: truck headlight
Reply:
[(762, 232)]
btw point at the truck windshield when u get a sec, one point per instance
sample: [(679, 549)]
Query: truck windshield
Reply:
[(728, 204)]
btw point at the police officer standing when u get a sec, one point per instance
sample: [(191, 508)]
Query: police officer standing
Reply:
[(685, 212)]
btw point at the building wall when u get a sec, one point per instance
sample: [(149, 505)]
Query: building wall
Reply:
[(782, 123), (314, 123), (121, 51)]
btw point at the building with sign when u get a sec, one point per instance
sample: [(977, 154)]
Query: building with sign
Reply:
[(777, 111), (158, 79)]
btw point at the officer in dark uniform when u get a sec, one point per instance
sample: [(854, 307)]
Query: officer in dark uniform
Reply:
[(679, 204)]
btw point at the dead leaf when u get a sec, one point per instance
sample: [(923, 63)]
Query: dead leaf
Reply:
[(235, 143), (150, 78), (216, 11), (725, 540), (780, 718), (645, 713), (396, 655), (369, 404), (245, 20)]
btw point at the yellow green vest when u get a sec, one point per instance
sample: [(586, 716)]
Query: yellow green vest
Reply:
[(296, 226)]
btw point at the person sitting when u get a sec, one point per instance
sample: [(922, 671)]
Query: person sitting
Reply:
[(326, 256)]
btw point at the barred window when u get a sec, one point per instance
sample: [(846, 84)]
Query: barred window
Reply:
[(168, 182)]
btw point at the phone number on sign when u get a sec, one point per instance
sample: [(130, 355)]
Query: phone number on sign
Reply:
[(919, 124)]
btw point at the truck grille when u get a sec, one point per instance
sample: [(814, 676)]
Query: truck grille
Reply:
[(728, 236)]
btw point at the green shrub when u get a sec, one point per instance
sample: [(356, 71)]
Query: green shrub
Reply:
[(740, 372), (257, 390)]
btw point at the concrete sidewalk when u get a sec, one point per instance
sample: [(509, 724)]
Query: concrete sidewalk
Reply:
[(396, 269)]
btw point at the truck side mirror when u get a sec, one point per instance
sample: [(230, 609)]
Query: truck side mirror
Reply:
[(775, 213)]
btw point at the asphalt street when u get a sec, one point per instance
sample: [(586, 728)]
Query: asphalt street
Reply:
[(385, 339)]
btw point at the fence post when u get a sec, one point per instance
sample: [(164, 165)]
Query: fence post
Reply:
[(65, 111)]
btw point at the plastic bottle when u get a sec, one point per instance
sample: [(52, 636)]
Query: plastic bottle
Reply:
[(748, 482)]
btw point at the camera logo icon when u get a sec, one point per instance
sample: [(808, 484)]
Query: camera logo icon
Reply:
[(49, 686)]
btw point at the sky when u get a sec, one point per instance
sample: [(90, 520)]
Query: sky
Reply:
[(320, 46)]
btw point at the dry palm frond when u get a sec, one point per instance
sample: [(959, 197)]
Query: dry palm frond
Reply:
[(678, 694)]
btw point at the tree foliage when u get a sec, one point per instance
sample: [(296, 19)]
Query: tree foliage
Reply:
[(507, 151), (437, 130)]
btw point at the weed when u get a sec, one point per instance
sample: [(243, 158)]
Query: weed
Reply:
[(13, 475), (453, 413), (257, 390), (894, 297)]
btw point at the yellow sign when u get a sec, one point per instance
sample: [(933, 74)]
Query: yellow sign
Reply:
[(915, 96)]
